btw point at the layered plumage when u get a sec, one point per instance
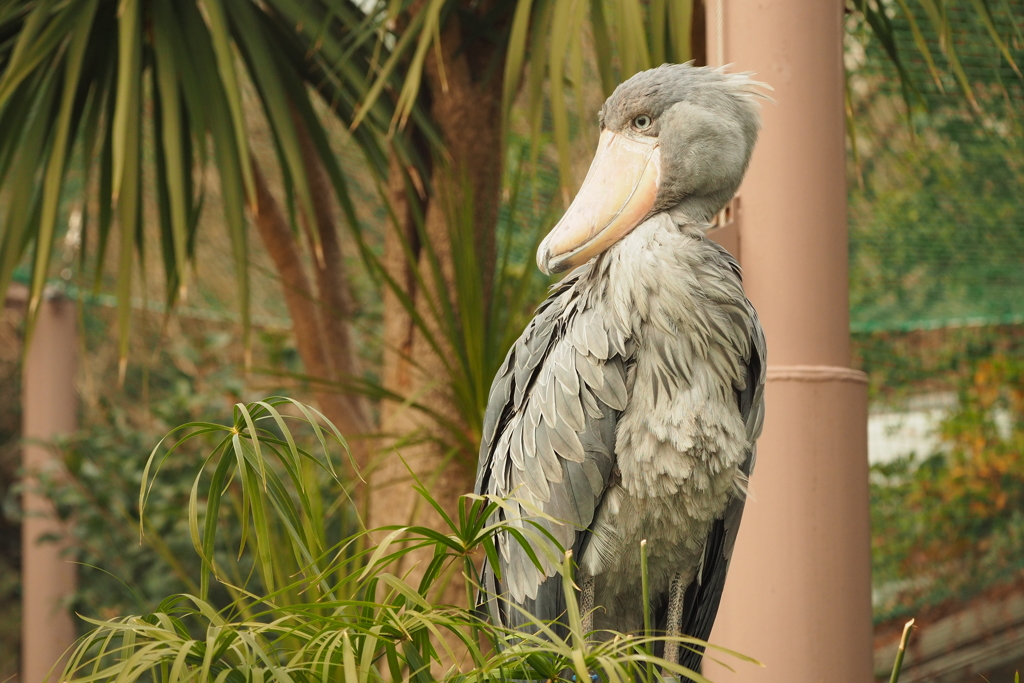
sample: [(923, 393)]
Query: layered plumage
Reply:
[(629, 407)]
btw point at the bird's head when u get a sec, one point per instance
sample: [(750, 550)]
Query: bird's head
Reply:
[(676, 138)]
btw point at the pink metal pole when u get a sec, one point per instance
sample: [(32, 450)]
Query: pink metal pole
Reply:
[(798, 597), (50, 409)]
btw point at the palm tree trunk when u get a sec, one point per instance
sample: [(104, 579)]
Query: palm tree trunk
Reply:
[(319, 319), (464, 101)]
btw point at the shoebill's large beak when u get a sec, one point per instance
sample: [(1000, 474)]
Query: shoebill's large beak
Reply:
[(618, 193)]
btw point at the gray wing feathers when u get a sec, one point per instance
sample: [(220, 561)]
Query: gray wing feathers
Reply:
[(704, 595), (549, 441)]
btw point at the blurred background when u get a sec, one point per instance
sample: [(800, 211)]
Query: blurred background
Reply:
[(168, 331), (936, 249)]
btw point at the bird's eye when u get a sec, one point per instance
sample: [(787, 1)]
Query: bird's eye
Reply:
[(642, 122)]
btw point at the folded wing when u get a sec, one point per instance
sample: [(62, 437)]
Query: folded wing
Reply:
[(549, 445)]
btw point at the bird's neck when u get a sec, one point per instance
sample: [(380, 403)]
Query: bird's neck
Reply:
[(641, 255), (699, 209), (659, 274)]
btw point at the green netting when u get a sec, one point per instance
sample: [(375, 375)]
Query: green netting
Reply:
[(937, 206)]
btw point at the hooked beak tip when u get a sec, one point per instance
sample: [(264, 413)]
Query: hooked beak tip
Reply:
[(548, 264), (543, 256)]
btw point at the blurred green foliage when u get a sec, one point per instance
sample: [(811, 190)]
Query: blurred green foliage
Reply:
[(126, 571), (936, 221), (122, 570), (187, 371), (951, 524), (939, 231), (937, 298), (900, 365)]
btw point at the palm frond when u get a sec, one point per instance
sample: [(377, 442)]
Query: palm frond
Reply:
[(67, 92), (943, 19)]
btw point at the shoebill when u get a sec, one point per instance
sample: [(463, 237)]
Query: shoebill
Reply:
[(629, 407)]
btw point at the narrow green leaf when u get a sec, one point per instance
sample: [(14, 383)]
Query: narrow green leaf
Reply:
[(39, 39), (645, 600), (14, 118), (220, 36), (179, 661), (128, 160), (93, 135), (922, 45), (379, 551), (172, 127), (57, 163), (233, 194), (538, 69), (900, 651), (1017, 33), (212, 108), (172, 283), (881, 25), (492, 556), (680, 30), (305, 113), (632, 37), (657, 25), (515, 54), (394, 663), (985, 14), (24, 203), (576, 61), (260, 521), (382, 80), (602, 46), (349, 659), (369, 652), (105, 196), (268, 77), (204, 544), (962, 79), (129, 84), (242, 409), (935, 16), (414, 72), (562, 31)]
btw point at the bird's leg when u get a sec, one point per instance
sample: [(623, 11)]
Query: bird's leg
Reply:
[(587, 605), (676, 593)]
